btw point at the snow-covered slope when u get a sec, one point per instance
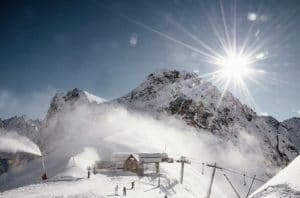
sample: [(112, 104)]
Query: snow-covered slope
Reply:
[(285, 184), (291, 128), (73, 182)]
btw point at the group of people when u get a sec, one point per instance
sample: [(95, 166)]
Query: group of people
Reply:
[(124, 189), (117, 187)]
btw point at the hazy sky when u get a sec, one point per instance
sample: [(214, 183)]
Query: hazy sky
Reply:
[(108, 47)]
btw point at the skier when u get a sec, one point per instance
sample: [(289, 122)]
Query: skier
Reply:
[(132, 185), (165, 196), (89, 174), (116, 190), (124, 191)]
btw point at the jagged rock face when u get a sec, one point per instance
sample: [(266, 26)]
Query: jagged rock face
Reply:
[(291, 129), (197, 102), (188, 96), (62, 102)]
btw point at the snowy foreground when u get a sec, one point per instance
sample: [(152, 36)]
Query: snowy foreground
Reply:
[(73, 182), (285, 184), (103, 185)]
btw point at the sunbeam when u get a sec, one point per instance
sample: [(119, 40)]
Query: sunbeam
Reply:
[(235, 60)]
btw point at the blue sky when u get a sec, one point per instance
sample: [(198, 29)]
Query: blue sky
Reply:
[(100, 46)]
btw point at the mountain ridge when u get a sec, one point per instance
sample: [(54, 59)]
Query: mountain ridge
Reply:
[(186, 96)]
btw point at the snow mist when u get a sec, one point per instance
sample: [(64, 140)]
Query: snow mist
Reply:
[(12, 142)]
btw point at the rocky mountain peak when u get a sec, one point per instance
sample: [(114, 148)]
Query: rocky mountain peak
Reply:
[(172, 76), (202, 105), (186, 94), (62, 101), (196, 102)]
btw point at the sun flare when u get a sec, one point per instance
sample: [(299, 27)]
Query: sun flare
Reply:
[(234, 67)]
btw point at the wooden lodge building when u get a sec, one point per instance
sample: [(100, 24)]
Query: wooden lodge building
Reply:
[(134, 162)]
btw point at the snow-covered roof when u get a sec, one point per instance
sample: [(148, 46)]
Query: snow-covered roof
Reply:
[(145, 157), (137, 157)]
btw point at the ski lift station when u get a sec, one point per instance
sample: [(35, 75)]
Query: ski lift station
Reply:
[(134, 162)]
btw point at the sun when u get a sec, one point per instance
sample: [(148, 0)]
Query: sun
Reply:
[(234, 67), (234, 70)]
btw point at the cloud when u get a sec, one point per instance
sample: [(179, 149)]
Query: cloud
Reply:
[(133, 39), (252, 16), (298, 112), (33, 105)]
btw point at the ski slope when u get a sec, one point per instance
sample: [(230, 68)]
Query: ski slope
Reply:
[(73, 182)]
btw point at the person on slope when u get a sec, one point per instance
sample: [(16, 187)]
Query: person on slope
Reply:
[(124, 191), (89, 172), (116, 190)]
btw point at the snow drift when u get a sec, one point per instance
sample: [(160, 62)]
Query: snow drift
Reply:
[(285, 184)]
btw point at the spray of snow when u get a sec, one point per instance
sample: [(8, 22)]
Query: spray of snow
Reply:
[(12, 142), (110, 128), (69, 137)]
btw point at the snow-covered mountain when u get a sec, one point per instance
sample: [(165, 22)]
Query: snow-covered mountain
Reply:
[(34, 129), (197, 102), (180, 95), (64, 102), (291, 128)]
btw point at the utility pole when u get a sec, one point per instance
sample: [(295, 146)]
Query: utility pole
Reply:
[(236, 192), (214, 166), (250, 186), (158, 179), (182, 160)]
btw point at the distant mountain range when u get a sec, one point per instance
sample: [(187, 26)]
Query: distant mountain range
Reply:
[(183, 95)]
